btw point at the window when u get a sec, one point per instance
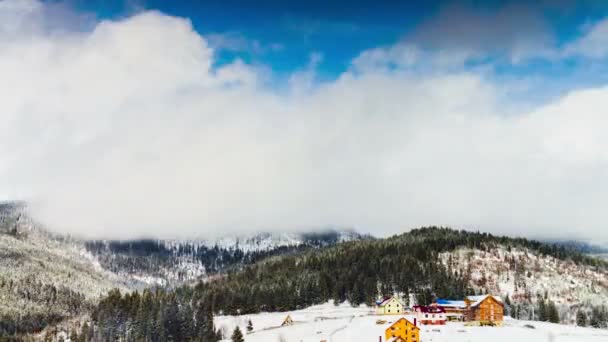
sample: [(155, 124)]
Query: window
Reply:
[(426, 315)]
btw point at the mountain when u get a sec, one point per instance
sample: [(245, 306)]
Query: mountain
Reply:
[(418, 266), (171, 262), (424, 263), (46, 278)]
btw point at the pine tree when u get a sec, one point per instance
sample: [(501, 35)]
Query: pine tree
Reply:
[(84, 332), (204, 324), (541, 312), (552, 313), (237, 335), (249, 327), (74, 335), (599, 318), (581, 318)]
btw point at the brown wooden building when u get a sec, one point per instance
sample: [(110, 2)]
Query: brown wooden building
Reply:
[(484, 309)]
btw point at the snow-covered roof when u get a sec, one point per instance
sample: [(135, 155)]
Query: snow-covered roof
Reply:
[(451, 303), (478, 299), (429, 309), (384, 300)]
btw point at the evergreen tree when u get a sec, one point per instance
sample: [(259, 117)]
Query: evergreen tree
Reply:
[(249, 326), (204, 324), (599, 318), (74, 335), (552, 313), (541, 312), (581, 318), (84, 332), (237, 335)]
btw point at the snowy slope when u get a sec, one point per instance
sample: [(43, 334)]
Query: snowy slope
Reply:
[(267, 241), (173, 262), (42, 275), (524, 275), (344, 323)]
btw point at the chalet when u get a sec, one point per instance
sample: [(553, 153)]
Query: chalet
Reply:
[(484, 309), (402, 331), (389, 306), (454, 309), (432, 314)]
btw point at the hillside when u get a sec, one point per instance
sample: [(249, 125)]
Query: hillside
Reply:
[(523, 275), (173, 262), (413, 263), (44, 278)]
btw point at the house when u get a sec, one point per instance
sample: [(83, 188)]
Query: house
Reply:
[(389, 306), (403, 331), (454, 309), (432, 314), (484, 309)]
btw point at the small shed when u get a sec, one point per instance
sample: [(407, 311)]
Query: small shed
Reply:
[(288, 321)]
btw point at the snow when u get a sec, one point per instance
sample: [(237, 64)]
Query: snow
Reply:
[(521, 273), (344, 323)]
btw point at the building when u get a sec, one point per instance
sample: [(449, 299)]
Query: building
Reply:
[(484, 309), (432, 314), (389, 306), (403, 331), (454, 309), (287, 321)]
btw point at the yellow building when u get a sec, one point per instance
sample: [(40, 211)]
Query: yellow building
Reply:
[(402, 330), (389, 306)]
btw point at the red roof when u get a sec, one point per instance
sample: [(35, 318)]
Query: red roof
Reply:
[(429, 309)]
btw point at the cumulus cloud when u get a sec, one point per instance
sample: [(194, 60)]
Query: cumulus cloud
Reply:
[(592, 44), (128, 130)]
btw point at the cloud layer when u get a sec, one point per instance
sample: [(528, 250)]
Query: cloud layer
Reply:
[(128, 130)]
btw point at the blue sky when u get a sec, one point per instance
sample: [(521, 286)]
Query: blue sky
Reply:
[(283, 34)]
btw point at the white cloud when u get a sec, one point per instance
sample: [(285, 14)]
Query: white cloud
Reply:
[(127, 130), (593, 43)]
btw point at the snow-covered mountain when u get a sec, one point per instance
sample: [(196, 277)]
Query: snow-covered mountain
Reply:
[(148, 262), (45, 278), (172, 262)]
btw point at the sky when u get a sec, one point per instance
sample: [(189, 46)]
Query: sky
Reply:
[(126, 119)]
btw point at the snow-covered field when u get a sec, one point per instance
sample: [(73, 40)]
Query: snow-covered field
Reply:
[(344, 323)]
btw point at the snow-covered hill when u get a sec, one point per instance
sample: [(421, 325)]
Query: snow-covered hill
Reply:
[(44, 278), (344, 323), (523, 276), (172, 262)]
